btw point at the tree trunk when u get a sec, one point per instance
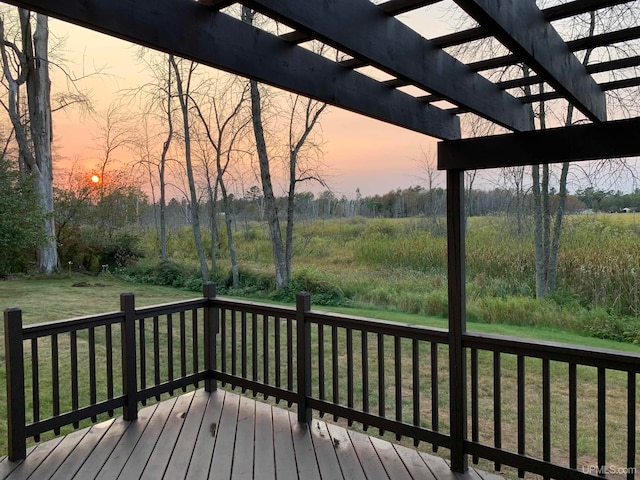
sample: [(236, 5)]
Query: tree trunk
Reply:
[(538, 232), (39, 95), (34, 142), (270, 206), (183, 96), (162, 170), (235, 274)]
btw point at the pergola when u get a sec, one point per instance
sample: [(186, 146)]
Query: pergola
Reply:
[(381, 67)]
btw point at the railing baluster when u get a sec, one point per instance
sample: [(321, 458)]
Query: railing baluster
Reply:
[(254, 349), (381, 384), (243, 321), (289, 356), (55, 379), (92, 370), (183, 347), (435, 395), (194, 339), (74, 372), (277, 353), (142, 341), (234, 345), (156, 352), (602, 418), (35, 376), (573, 416), (497, 404), (398, 379), (170, 349), (521, 410), (223, 342), (415, 372), (631, 425), (334, 366), (475, 422), (546, 411), (265, 351), (321, 391), (365, 374), (108, 338), (350, 371)]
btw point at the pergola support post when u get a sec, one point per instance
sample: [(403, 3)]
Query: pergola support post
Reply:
[(457, 317)]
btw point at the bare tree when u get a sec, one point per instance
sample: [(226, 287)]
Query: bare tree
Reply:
[(307, 112), (224, 125), (430, 176), (114, 134), (183, 77), (26, 66), (304, 115)]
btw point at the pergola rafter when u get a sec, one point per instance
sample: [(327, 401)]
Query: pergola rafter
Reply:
[(522, 28), (366, 32)]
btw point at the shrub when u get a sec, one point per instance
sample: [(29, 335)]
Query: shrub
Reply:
[(309, 279), (169, 273)]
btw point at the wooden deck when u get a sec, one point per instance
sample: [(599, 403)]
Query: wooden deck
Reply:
[(224, 436)]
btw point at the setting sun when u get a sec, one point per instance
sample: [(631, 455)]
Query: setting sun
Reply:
[(95, 179)]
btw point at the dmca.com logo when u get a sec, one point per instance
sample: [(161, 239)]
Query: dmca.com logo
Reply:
[(608, 470)]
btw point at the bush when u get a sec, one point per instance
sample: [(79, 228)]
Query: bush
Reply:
[(169, 273), (121, 251), (309, 279)]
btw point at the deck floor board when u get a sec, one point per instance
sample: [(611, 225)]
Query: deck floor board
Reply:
[(224, 435)]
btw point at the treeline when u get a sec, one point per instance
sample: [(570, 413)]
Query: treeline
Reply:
[(414, 201)]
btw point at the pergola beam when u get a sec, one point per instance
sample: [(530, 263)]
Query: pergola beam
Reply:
[(606, 140), (193, 31), (522, 28), (365, 31)]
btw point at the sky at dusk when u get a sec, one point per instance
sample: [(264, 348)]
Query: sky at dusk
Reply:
[(358, 152)]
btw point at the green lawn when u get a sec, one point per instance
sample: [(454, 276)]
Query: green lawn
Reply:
[(56, 298)]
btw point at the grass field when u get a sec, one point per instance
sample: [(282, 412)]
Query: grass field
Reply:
[(45, 299)]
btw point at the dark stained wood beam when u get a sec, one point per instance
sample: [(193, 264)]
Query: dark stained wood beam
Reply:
[(217, 4), (193, 31), (396, 7), (557, 12), (616, 139), (363, 30), (522, 28), (601, 40)]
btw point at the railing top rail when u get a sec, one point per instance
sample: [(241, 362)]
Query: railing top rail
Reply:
[(562, 352), (170, 307), (71, 324), (339, 320), (256, 307), (378, 326), (80, 323)]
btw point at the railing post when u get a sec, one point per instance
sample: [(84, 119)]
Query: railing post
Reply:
[(128, 348), (211, 326), (303, 332), (14, 359), (457, 318)]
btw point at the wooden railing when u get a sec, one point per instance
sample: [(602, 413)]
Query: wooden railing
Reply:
[(78, 369), (393, 377)]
